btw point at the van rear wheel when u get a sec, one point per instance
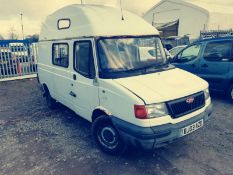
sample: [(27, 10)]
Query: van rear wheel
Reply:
[(52, 104), (230, 93), (107, 137)]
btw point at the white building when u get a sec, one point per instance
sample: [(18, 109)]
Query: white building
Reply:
[(192, 16)]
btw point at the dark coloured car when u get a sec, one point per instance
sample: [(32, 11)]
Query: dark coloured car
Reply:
[(212, 60)]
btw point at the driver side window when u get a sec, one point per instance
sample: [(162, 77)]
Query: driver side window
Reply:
[(189, 53)]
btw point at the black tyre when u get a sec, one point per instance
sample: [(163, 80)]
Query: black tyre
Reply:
[(52, 104), (107, 137), (230, 93)]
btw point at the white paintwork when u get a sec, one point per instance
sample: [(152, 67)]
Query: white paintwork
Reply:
[(87, 94), (163, 86), (91, 20), (120, 101), (115, 96), (193, 15)]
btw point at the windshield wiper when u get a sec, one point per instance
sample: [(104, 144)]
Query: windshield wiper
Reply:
[(145, 69), (137, 69)]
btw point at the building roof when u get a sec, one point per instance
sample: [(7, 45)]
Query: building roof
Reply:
[(94, 20), (220, 15), (182, 2), (212, 7), (165, 25), (201, 5)]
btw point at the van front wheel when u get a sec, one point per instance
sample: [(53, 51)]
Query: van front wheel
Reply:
[(52, 104), (107, 137)]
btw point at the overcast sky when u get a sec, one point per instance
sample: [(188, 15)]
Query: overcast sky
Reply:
[(35, 11)]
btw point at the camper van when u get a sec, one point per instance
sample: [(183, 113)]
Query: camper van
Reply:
[(89, 60)]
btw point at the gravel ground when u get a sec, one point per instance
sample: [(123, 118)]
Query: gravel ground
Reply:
[(36, 140)]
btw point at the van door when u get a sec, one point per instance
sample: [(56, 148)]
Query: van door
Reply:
[(214, 64), (61, 74), (84, 90), (188, 59)]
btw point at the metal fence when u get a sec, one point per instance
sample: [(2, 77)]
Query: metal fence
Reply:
[(18, 59), (215, 33)]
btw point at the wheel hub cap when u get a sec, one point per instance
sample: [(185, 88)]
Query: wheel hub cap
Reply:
[(108, 137)]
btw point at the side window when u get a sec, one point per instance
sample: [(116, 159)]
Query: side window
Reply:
[(189, 53), (60, 54), (83, 59), (218, 51)]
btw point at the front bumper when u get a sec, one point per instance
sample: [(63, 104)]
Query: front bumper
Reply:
[(157, 136)]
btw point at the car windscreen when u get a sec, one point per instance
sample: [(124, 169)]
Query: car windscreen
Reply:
[(127, 54)]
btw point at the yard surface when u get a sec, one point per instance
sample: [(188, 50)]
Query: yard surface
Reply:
[(39, 141)]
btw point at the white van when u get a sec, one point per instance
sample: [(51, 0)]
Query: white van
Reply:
[(89, 61)]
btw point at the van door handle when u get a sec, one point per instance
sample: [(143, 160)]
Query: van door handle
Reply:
[(73, 94), (74, 77), (204, 66)]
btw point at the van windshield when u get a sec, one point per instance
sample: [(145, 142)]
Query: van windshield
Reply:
[(130, 54)]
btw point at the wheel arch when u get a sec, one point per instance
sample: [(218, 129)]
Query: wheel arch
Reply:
[(99, 111), (45, 89)]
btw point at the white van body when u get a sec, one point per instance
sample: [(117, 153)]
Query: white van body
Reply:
[(119, 98)]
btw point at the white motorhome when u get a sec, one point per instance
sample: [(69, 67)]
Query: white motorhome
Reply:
[(89, 60)]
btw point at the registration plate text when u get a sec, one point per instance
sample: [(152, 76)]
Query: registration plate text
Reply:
[(191, 128)]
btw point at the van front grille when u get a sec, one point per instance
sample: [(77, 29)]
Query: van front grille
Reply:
[(186, 105)]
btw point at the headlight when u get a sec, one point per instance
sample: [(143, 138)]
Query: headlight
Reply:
[(150, 111), (207, 94), (156, 110)]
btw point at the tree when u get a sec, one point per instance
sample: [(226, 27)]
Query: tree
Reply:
[(12, 34), (34, 38)]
